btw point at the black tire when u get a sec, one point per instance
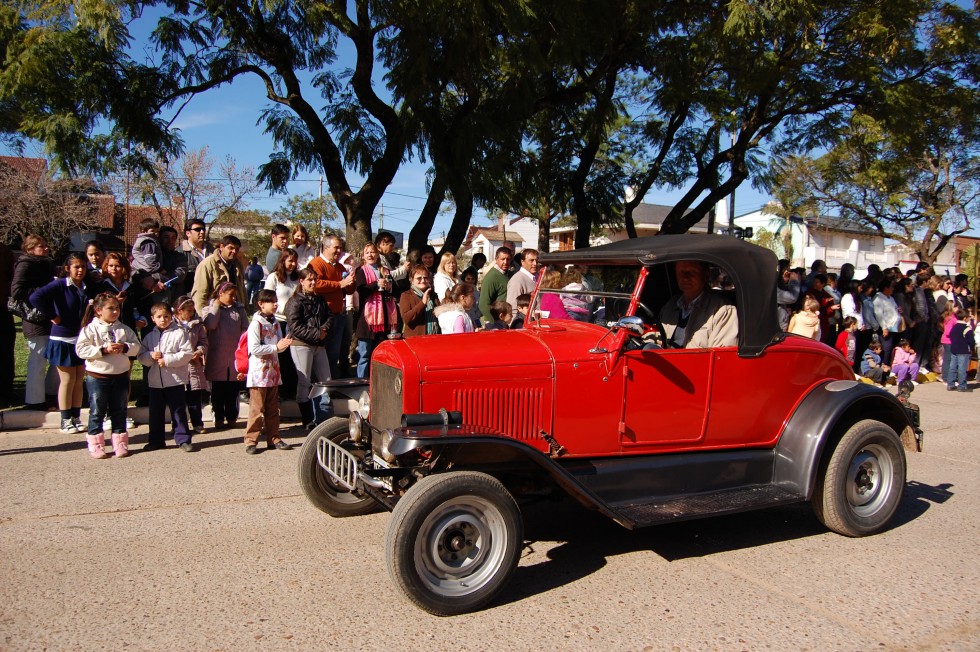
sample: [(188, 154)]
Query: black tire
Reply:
[(319, 488), (860, 487), (453, 542)]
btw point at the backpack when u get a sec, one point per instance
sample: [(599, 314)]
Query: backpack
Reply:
[(241, 354)]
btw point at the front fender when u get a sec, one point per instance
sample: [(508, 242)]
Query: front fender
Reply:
[(821, 418), (474, 446)]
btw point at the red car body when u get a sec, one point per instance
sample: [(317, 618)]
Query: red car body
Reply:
[(463, 426)]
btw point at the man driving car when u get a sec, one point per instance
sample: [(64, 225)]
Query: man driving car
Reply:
[(698, 318)]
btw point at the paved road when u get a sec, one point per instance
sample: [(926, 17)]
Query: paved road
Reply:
[(219, 551)]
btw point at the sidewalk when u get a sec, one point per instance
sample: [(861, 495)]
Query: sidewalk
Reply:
[(11, 420)]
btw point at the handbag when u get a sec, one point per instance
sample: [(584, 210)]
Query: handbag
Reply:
[(26, 311)]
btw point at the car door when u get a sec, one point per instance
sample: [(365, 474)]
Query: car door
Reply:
[(666, 394)]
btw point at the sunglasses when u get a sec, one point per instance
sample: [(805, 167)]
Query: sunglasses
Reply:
[(199, 229)]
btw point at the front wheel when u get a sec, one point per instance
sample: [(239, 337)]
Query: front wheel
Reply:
[(325, 494), (861, 486), (453, 542)]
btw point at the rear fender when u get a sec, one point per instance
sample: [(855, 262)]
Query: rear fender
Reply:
[(821, 419)]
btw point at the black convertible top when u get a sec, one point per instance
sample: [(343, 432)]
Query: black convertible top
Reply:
[(751, 268)]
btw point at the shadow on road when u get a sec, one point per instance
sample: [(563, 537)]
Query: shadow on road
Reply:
[(587, 539)]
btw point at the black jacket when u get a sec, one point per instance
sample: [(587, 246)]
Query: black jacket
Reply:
[(305, 316), (30, 273)]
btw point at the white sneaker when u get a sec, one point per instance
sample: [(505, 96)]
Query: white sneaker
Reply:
[(130, 424), (68, 428)]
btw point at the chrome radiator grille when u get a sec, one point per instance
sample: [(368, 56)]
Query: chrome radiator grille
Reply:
[(514, 411), (386, 396)]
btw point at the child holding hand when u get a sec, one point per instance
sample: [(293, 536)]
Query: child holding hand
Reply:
[(108, 347), (265, 343), (167, 351)]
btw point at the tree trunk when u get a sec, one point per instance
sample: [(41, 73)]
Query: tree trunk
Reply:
[(358, 218), (418, 237), (544, 229), (463, 196), (628, 219)]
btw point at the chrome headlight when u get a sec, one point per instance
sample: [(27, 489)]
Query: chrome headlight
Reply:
[(364, 405), (355, 427), (384, 446)]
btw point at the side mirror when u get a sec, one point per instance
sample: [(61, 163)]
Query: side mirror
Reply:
[(633, 324)]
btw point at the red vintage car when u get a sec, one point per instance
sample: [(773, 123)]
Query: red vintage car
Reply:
[(601, 405)]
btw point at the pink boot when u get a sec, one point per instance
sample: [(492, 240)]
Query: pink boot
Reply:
[(96, 446), (120, 443)]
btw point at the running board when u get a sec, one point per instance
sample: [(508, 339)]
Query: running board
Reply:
[(682, 508)]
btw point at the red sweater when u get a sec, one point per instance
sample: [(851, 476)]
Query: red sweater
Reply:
[(329, 276)]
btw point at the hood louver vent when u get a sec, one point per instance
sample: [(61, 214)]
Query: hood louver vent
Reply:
[(514, 411)]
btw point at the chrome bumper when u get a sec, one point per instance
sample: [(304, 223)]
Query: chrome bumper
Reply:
[(338, 463), (344, 468)]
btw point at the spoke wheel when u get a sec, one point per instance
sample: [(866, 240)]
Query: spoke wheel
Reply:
[(318, 486), (861, 485), (453, 542)]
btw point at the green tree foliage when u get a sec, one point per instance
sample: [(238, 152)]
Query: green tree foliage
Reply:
[(318, 214), (917, 183), (627, 93)]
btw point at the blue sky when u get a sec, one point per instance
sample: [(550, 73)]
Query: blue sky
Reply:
[(225, 121)]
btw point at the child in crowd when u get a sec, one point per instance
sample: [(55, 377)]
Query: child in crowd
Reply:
[(523, 303), (108, 347), (147, 255), (453, 315), (265, 343), (904, 362), (578, 306), (806, 322), (502, 314), (847, 340), (198, 383), (167, 351), (871, 366), (95, 253), (960, 346), (947, 319), (64, 300), (225, 320)]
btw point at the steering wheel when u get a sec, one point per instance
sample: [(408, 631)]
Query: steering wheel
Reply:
[(649, 318)]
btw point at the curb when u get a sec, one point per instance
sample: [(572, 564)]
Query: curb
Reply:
[(11, 420)]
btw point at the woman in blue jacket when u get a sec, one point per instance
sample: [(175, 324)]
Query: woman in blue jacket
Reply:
[(64, 300)]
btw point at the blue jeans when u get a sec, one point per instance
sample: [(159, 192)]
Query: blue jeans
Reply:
[(107, 396), (364, 350), (958, 363)]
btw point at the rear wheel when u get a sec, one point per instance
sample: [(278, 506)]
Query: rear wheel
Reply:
[(325, 494), (453, 542), (861, 486)]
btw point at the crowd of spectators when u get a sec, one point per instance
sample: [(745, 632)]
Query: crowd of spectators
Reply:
[(891, 324), (317, 313)]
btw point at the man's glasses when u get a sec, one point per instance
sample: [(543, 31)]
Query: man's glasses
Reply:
[(421, 278), (199, 229)]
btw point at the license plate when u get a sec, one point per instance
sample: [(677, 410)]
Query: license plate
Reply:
[(337, 462)]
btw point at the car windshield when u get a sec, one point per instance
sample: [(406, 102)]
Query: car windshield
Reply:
[(588, 293)]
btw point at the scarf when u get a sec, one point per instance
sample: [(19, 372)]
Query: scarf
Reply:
[(379, 311), (431, 322)]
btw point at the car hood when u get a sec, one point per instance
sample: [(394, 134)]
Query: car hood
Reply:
[(491, 355)]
